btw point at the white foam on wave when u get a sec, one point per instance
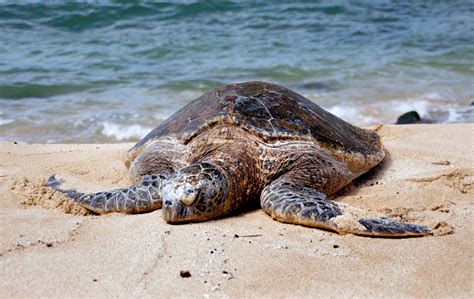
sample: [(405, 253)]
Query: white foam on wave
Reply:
[(352, 114), (433, 95), (420, 106), (466, 114), (389, 111), (453, 116), (6, 121), (124, 132), (164, 114)]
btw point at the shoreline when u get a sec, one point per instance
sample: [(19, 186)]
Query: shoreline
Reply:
[(426, 178)]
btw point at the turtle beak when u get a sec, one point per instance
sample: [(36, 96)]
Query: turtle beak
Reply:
[(175, 214)]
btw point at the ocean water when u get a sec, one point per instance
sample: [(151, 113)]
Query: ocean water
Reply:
[(110, 71)]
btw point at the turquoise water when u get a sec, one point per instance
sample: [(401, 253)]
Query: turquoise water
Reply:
[(112, 71)]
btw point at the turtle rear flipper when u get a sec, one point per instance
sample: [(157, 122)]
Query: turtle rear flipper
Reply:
[(143, 197), (388, 227), (288, 202)]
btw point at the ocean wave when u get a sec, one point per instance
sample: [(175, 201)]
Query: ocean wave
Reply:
[(456, 115), (82, 16), (352, 114), (76, 16), (21, 91), (197, 85), (326, 10), (123, 132), (5, 121), (388, 112)]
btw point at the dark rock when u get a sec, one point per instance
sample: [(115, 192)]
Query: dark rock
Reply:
[(412, 117)]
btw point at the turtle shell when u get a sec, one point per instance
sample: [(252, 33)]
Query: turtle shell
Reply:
[(267, 110)]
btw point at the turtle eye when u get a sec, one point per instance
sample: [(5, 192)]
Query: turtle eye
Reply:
[(190, 197)]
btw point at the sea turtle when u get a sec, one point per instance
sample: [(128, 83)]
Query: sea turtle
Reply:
[(248, 141)]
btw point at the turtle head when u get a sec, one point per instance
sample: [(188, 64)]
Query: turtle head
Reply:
[(194, 193)]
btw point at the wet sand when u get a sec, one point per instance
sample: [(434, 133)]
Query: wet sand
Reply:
[(50, 247)]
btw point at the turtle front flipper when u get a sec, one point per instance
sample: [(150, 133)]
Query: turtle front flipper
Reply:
[(143, 197), (287, 201)]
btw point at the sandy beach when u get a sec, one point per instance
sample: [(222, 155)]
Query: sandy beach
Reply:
[(50, 247)]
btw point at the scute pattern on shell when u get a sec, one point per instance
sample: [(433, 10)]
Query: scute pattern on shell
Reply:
[(267, 110)]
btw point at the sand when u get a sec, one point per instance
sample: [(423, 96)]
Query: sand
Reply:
[(50, 247)]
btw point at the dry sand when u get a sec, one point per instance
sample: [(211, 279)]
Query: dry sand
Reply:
[(49, 247)]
